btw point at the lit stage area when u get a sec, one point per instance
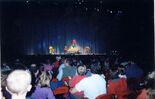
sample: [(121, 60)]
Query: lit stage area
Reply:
[(77, 27)]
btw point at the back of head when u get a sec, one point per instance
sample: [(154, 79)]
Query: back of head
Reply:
[(19, 81), (68, 61), (44, 79), (58, 58), (34, 68)]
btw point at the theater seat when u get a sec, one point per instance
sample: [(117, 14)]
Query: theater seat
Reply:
[(61, 90), (105, 96), (118, 88)]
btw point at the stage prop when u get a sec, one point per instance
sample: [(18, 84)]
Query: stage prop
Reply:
[(51, 50), (86, 50), (74, 48)]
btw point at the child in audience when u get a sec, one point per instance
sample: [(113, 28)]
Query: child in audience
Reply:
[(18, 83)]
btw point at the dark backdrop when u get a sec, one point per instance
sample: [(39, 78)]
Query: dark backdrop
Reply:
[(28, 28)]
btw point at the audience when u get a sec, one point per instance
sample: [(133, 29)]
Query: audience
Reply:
[(82, 82)]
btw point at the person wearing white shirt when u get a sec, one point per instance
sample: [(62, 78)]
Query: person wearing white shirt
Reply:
[(92, 86)]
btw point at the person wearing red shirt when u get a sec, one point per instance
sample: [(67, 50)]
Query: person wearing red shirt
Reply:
[(81, 70), (56, 63)]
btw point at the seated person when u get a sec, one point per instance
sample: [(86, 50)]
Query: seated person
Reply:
[(132, 70), (81, 70), (5, 93), (48, 66), (54, 84), (134, 75), (92, 86), (5, 67), (67, 71), (95, 66), (43, 90), (18, 65), (18, 84), (57, 62), (1, 95), (34, 75)]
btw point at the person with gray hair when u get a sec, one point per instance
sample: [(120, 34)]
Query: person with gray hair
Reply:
[(18, 83)]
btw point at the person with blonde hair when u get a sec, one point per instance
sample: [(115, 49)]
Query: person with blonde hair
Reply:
[(43, 90), (18, 83)]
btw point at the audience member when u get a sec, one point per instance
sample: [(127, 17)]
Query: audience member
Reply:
[(67, 71), (60, 69), (5, 67), (92, 86), (5, 93), (48, 66), (43, 90), (19, 65), (56, 63), (81, 70), (133, 71), (134, 75), (34, 74), (1, 94), (18, 84), (95, 66)]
